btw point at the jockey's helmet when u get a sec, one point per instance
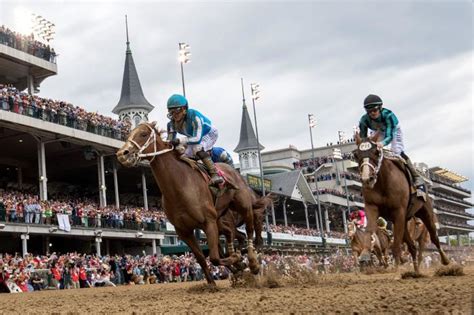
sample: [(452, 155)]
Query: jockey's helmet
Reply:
[(372, 101), (176, 101)]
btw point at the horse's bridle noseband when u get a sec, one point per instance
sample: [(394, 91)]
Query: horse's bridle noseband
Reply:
[(366, 162), (151, 138)]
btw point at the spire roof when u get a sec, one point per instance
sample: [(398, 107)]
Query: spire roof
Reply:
[(132, 93), (248, 140)]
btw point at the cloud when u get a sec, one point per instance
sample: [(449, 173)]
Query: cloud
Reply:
[(309, 57)]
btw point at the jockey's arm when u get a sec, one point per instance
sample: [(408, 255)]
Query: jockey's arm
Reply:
[(363, 127), (197, 132), (390, 124), (171, 132)]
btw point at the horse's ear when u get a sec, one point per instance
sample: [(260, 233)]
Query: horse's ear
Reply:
[(153, 124), (357, 138)]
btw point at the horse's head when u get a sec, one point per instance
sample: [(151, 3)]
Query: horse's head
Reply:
[(369, 158), (144, 142), (351, 229)]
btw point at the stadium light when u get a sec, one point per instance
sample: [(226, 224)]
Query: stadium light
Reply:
[(312, 124), (184, 57)]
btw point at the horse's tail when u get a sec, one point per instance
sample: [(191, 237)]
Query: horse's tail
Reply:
[(262, 203)]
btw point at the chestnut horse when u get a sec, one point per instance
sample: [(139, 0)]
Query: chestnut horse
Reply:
[(230, 221), (386, 192), (186, 198), (419, 234), (361, 243)]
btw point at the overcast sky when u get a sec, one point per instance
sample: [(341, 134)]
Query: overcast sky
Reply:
[(308, 57)]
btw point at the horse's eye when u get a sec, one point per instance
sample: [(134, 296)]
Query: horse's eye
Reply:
[(143, 134)]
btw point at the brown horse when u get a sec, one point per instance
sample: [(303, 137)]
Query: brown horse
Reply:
[(419, 234), (186, 197), (386, 192), (361, 243), (230, 221)]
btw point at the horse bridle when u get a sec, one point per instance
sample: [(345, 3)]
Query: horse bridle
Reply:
[(366, 162), (151, 138)]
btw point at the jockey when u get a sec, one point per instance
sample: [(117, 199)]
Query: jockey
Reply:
[(359, 218), (381, 223), (199, 132), (385, 121), (220, 155)]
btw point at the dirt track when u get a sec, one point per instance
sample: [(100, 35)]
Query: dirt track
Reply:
[(346, 293)]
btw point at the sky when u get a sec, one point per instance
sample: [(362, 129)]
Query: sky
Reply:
[(319, 57)]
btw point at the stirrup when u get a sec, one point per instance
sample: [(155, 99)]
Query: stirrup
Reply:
[(421, 192)]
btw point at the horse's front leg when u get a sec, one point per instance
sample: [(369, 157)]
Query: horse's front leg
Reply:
[(398, 233)]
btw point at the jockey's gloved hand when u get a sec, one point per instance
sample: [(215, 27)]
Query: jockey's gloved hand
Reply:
[(175, 142)]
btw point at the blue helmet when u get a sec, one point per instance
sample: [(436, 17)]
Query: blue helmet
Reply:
[(176, 101)]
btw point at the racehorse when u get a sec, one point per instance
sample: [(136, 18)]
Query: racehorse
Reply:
[(386, 192), (361, 243), (186, 198), (230, 221), (419, 234)]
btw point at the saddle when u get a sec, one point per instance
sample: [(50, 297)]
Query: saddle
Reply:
[(201, 168), (402, 165)]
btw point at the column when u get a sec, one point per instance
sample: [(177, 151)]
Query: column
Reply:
[(153, 246), (30, 84), (326, 217), (284, 211), (43, 180), (145, 194), (273, 214), (447, 238), (317, 220), (24, 243), (459, 239), (306, 214), (344, 219), (101, 177), (46, 244), (20, 177), (117, 200), (98, 240), (107, 247)]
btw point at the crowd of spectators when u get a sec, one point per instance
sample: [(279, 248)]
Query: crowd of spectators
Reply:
[(27, 44), (21, 207), (444, 207), (61, 112), (311, 164), (295, 230), (333, 176), (352, 197), (439, 179), (74, 271), (448, 220), (449, 197)]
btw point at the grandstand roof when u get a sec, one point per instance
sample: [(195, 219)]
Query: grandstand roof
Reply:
[(292, 184), (247, 135), (132, 96), (449, 175)]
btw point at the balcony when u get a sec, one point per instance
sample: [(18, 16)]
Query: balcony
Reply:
[(453, 201), (452, 190)]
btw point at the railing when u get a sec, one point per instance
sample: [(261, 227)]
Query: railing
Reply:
[(87, 222), (61, 118)]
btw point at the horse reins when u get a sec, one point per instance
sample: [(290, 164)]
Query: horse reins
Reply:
[(151, 138)]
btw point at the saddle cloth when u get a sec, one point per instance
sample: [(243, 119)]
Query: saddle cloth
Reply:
[(228, 182)]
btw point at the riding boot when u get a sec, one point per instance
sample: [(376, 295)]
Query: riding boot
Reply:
[(206, 159), (417, 180)]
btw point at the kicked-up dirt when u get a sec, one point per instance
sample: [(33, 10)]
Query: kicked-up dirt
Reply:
[(334, 293)]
